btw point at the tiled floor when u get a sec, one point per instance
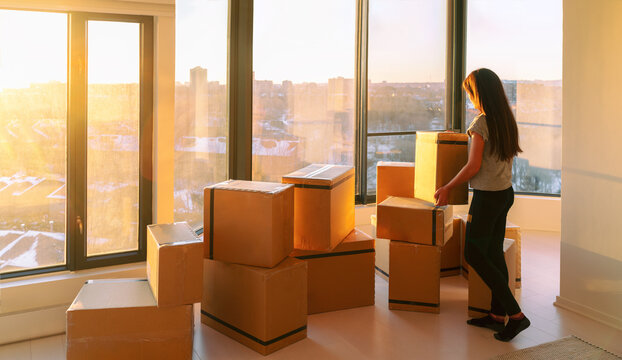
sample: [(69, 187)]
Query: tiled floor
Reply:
[(374, 332)]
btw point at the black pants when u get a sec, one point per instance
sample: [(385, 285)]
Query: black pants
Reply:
[(485, 232)]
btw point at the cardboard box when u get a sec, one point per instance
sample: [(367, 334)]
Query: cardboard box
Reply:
[(249, 222), (512, 231), (174, 264), (394, 179), (342, 278), (323, 205), (264, 309), (451, 251), (382, 250), (464, 266), (479, 293), (414, 220), (439, 156), (119, 319), (414, 283)]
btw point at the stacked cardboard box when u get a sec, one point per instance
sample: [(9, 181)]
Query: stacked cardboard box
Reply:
[(417, 230), (340, 259), (394, 179), (512, 231), (479, 293), (252, 291), (142, 318), (439, 156), (382, 250), (451, 251)]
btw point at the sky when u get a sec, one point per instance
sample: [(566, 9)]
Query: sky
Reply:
[(301, 41)]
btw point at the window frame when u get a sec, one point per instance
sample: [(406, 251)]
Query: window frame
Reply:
[(75, 243)]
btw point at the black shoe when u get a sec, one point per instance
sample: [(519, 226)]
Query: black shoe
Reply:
[(512, 329), (486, 322)]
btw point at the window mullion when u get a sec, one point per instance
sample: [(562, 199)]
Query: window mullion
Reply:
[(362, 17)]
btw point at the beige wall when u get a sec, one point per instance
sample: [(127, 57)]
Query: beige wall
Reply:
[(591, 248)]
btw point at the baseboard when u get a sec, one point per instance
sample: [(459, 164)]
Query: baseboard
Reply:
[(32, 324), (588, 312)]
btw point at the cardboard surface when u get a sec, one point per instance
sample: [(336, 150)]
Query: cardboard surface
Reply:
[(451, 251), (414, 220), (174, 264), (119, 319), (512, 231), (394, 179), (439, 156), (323, 205), (249, 222), (414, 282), (479, 293), (342, 278), (264, 309)]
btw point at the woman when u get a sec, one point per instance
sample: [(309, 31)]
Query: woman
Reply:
[(494, 143)]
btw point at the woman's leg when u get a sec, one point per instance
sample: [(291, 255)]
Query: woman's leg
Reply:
[(487, 208), (497, 257)]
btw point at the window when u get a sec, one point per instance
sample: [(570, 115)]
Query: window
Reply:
[(521, 40), (200, 104), (75, 182), (33, 134), (406, 78), (303, 85)]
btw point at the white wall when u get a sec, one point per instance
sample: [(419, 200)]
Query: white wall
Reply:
[(591, 248)]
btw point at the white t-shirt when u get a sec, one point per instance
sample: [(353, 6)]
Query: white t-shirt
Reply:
[(493, 175)]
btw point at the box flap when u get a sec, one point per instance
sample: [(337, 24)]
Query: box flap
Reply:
[(178, 233), (319, 174), (357, 241), (114, 293), (395, 164), (251, 186), (410, 203)]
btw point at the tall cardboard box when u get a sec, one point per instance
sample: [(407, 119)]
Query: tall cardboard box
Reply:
[(414, 220), (512, 231), (382, 250), (451, 251), (479, 293), (323, 205), (414, 282), (119, 319), (439, 156), (342, 278), (394, 179), (174, 264), (249, 222), (264, 309)]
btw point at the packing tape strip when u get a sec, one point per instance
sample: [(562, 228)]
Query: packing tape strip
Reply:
[(343, 253), (416, 303), (382, 271), (451, 142), (318, 171), (484, 311), (451, 268), (251, 337)]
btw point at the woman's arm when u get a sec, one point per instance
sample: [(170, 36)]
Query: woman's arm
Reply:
[(467, 172)]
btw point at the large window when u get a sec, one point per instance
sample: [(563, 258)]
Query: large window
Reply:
[(200, 103), (303, 86), (76, 167), (521, 40), (406, 78), (33, 133)]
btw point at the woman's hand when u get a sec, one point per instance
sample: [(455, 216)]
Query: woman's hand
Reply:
[(442, 196)]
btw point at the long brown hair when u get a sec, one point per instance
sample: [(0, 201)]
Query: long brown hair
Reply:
[(488, 96)]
